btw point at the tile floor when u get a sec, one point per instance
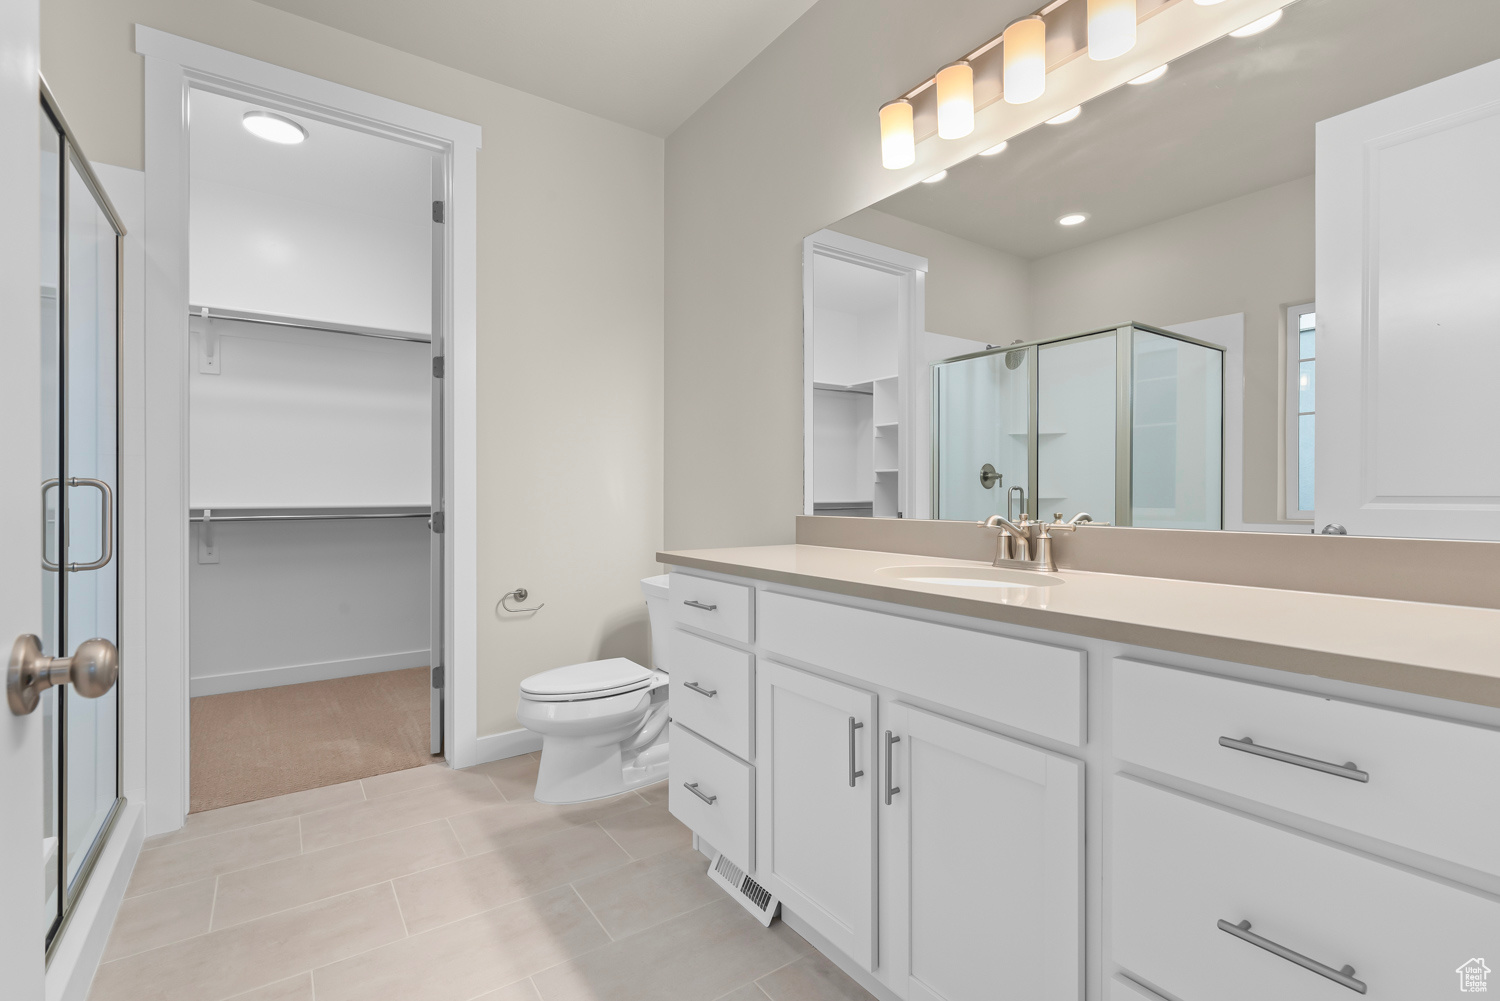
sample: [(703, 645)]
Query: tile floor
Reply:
[(439, 885)]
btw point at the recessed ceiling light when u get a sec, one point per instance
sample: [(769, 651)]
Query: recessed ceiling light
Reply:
[(935, 177), (1150, 75), (1257, 26), (274, 128), (1072, 219), (1207, 3), (1066, 116), (997, 148)]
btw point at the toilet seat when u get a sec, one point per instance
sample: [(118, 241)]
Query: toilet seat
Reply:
[(596, 679)]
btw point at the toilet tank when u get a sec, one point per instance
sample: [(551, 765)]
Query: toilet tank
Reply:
[(655, 589)]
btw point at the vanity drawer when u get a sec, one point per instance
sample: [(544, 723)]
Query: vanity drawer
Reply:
[(1423, 773), (714, 606), (727, 822), (713, 691), (1031, 686), (1180, 866)]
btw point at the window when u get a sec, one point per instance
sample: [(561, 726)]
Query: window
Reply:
[(1301, 408)]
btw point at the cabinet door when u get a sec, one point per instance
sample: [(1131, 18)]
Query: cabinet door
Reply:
[(985, 863), (815, 812)]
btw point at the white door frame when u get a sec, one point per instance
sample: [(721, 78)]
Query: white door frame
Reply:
[(174, 66), (913, 450)]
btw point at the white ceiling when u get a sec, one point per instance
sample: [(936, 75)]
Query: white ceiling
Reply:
[(333, 166), (648, 64), (1233, 117)]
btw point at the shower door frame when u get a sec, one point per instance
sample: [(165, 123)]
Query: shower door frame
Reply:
[(1124, 410)]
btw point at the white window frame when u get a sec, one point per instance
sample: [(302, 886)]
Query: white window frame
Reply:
[(1290, 411)]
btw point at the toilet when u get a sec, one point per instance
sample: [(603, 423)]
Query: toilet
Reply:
[(603, 723)]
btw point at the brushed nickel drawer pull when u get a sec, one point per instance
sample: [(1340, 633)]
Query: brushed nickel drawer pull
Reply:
[(699, 604), (692, 787), (1343, 977), (710, 692), (852, 773), (891, 740), (1345, 771)]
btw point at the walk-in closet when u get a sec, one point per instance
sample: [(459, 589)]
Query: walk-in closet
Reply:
[(313, 385)]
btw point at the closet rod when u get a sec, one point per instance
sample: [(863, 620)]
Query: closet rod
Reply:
[(212, 519), (273, 320)]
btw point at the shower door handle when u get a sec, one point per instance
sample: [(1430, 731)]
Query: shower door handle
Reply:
[(106, 525)]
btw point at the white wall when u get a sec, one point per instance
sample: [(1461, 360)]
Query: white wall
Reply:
[(569, 310)]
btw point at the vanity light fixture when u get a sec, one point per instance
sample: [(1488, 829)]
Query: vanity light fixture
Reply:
[(997, 148), (935, 177), (955, 100), (1257, 26), (1024, 60), (1072, 219), (1111, 28), (1066, 116), (898, 140), (1150, 76), (274, 128)]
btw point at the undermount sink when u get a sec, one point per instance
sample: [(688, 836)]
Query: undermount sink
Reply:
[(970, 576)]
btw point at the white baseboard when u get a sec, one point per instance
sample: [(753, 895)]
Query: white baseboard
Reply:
[(71, 972), (296, 674), (494, 746)]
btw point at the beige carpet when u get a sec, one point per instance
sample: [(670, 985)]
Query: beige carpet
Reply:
[(272, 741)]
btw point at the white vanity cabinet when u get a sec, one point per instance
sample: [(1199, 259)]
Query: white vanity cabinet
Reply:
[(985, 862), (815, 812)]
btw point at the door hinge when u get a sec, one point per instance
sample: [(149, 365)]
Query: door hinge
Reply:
[(437, 211), (438, 367), (437, 522), (437, 676)]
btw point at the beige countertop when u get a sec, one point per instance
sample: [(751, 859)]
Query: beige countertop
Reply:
[(1447, 651)]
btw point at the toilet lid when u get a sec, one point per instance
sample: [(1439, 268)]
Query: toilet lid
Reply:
[(595, 679)]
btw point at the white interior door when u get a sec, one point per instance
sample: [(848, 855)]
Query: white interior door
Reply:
[(815, 803), (22, 927), (985, 857), (1408, 304)]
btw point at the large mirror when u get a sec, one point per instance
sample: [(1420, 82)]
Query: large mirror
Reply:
[(1256, 290)]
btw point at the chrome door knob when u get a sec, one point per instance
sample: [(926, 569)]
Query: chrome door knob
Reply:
[(92, 670)]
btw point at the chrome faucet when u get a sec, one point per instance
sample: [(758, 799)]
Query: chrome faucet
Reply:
[(1014, 541)]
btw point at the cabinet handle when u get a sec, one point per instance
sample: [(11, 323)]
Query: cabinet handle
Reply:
[(890, 741), (710, 692), (1345, 771), (692, 787), (852, 773), (699, 604), (1343, 977)]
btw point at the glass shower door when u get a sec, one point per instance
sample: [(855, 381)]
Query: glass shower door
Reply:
[(80, 572), (1076, 422), (983, 413)]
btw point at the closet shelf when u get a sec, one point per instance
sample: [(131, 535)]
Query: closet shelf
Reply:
[(300, 323), (864, 388)]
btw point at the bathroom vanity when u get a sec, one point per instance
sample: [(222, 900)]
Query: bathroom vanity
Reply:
[(964, 783)]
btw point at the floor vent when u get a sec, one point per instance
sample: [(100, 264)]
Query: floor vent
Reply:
[(752, 896)]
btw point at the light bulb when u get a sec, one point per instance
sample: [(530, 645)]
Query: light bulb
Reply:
[(955, 100), (1150, 76), (273, 127), (898, 140), (997, 148), (1024, 59), (1111, 28), (1257, 26)]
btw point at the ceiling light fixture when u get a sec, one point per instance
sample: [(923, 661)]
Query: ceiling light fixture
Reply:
[(1066, 116), (1207, 3), (1072, 219), (274, 128), (935, 177), (1024, 60), (955, 100), (1257, 26), (898, 140), (1111, 28), (997, 148), (1150, 76)]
